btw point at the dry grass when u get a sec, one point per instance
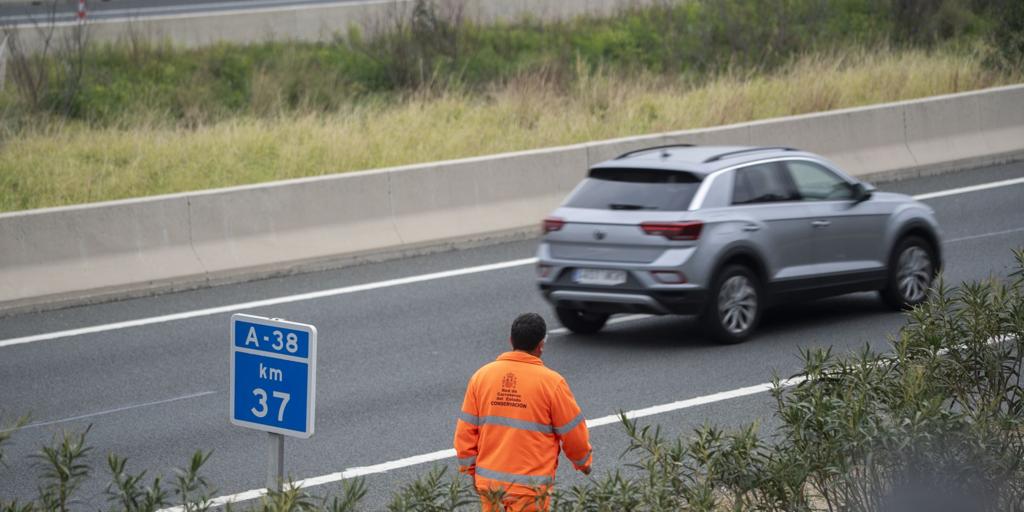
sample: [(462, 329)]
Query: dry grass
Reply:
[(73, 164)]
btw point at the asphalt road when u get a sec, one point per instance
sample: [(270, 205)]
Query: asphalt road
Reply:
[(393, 361), (40, 11)]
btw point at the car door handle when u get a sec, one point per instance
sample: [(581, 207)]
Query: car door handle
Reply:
[(821, 223), (751, 227)]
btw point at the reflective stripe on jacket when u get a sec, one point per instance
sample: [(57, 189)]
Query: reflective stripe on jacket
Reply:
[(515, 415)]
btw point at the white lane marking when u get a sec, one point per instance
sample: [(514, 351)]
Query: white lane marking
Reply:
[(613, 321), (984, 235), (972, 188), (450, 453), (269, 302), (371, 286), (119, 409)]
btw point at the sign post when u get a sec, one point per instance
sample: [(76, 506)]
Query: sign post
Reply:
[(275, 462), (273, 383)]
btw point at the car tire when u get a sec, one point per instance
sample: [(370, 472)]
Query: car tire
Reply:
[(581, 322), (910, 275), (734, 305)]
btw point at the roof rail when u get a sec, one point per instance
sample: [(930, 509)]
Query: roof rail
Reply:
[(747, 150), (667, 146)]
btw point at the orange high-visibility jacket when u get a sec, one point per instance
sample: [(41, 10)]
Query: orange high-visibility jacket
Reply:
[(515, 414)]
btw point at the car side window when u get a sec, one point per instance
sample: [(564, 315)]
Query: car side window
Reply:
[(763, 183), (817, 183)]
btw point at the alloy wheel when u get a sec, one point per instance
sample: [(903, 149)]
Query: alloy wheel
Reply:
[(737, 304), (915, 274)]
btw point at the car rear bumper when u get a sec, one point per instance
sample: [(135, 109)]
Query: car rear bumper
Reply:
[(688, 301)]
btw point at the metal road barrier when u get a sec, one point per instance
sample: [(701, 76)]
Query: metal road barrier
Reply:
[(199, 24)]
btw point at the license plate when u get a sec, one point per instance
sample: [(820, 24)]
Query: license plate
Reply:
[(600, 276)]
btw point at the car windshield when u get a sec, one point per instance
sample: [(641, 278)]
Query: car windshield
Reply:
[(635, 189)]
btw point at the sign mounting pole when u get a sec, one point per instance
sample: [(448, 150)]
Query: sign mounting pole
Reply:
[(275, 462)]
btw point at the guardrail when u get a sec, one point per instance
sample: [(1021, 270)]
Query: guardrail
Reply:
[(301, 22), (80, 254)]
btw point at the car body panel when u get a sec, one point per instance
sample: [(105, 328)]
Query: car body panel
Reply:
[(798, 248)]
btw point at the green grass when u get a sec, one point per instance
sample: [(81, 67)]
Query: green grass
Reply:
[(149, 119), (76, 163)]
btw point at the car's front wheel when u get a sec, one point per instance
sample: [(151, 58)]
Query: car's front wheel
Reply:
[(911, 271), (581, 322), (735, 305)]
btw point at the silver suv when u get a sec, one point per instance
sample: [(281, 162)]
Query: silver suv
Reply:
[(723, 232)]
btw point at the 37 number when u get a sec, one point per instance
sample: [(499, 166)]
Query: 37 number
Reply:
[(289, 342), (262, 403)]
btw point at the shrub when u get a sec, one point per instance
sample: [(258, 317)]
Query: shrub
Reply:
[(428, 45), (937, 424)]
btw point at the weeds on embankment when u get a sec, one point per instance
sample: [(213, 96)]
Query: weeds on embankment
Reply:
[(147, 118), (76, 163), (934, 423)]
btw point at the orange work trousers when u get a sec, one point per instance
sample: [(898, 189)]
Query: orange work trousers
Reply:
[(513, 503)]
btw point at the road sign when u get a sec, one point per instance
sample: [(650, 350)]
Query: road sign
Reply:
[(273, 375)]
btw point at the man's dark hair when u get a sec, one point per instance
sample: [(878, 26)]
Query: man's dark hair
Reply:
[(527, 331)]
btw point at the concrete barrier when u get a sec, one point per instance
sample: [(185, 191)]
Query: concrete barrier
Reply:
[(79, 253), (723, 135), (466, 198), (95, 252), (1001, 117), (301, 222), (861, 141)]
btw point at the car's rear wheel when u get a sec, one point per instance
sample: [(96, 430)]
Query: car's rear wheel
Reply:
[(911, 271), (581, 322), (734, 309)]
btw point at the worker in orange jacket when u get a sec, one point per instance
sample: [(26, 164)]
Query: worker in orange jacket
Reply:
[(515, 414)]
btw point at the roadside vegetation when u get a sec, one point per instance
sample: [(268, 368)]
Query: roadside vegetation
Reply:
[(89, 122), (935, 421)]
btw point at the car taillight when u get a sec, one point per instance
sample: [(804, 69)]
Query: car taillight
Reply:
[(689, 230), (552, 224)]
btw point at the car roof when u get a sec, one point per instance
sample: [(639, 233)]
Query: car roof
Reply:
[(701, 160)]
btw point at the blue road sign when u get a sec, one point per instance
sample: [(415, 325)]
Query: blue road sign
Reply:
[(273, 375)]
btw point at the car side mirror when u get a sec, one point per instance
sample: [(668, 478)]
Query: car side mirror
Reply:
[(862, 191)]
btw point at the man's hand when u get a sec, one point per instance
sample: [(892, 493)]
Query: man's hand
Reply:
[(585, 470)]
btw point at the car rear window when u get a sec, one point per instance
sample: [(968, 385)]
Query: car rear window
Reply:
[(635, 189)]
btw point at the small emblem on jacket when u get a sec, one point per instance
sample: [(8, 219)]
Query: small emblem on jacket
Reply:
[(509, 381)]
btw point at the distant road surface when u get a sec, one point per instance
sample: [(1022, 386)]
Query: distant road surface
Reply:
[(24, 11)]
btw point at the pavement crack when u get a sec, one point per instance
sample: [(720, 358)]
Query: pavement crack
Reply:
[(391, 207), (191, 240), (906, 136)]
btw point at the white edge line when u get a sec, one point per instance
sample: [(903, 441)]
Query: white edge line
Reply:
[(972, 188), (269, 302), (594, 423), (416, 460), (381, 284), (983, 235)]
